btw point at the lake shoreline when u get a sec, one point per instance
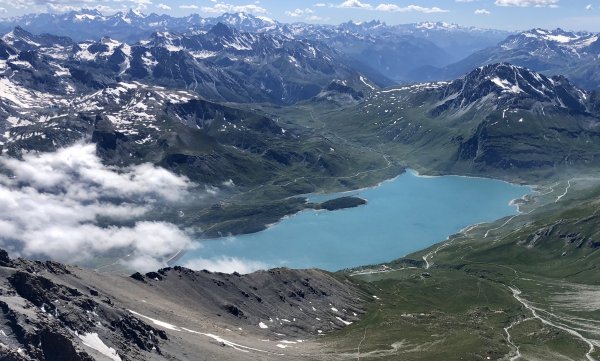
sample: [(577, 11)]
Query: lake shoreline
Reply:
[(480, 185)]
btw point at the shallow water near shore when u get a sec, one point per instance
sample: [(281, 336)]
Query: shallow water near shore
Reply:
[(403, 215)]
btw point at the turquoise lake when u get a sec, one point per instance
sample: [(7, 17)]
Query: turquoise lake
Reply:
[(403, 215)]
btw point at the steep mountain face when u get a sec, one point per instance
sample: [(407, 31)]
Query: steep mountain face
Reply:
[(223, 64), (509, 87), (25, 41), (574, 55), (53, 312), (497, 118)]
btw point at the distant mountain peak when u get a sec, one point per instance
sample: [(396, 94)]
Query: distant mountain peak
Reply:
[(509, 78), (163, 35), (136, 13), (557, 35), (363, 27), (24, 40), (18, 33), (164, 39), (108, 40), (6, 51), (552, 45), (499, 67), (221, 29), (442, 26), (246, 21)]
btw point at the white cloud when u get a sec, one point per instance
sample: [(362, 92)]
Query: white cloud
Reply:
[(354, 4), (387, 7), (107, 9), (61, 8), (528, 3), (142, 263), (482, 12), (141, 4), (225, 265), (589, 7), (219, 8), (357, 4), (409, 8), (2, 10), (191, 6), (69, 5), (320, 5), (70, 207), (298, 12), (163, 7)]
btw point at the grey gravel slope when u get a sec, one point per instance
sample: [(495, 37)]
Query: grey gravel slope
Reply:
[(49, 311)]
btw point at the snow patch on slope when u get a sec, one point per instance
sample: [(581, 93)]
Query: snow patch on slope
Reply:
[(92, 340)]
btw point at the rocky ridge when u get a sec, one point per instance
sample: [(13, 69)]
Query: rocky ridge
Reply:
[(174, 313)]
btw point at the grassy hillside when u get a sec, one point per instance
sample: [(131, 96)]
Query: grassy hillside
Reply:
[(481, 125)]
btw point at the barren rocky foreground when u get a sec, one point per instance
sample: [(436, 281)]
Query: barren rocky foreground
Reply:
[(51, 311)]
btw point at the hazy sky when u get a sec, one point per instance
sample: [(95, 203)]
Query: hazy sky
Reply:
[(501, 14)]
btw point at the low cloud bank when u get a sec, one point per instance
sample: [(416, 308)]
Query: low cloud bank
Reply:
[(68, 206), (225, 265)]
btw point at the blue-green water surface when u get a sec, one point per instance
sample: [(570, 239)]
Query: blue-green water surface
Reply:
[(403, 215)]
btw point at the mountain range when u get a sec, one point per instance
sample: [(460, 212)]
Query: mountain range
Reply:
[(394, 50), (222, 64), (427, 51), (130, 26)]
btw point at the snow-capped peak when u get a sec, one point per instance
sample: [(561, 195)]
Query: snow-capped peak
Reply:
[(85, 15), (553, 45), (557, 35), (509, 85), (246, 21)]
